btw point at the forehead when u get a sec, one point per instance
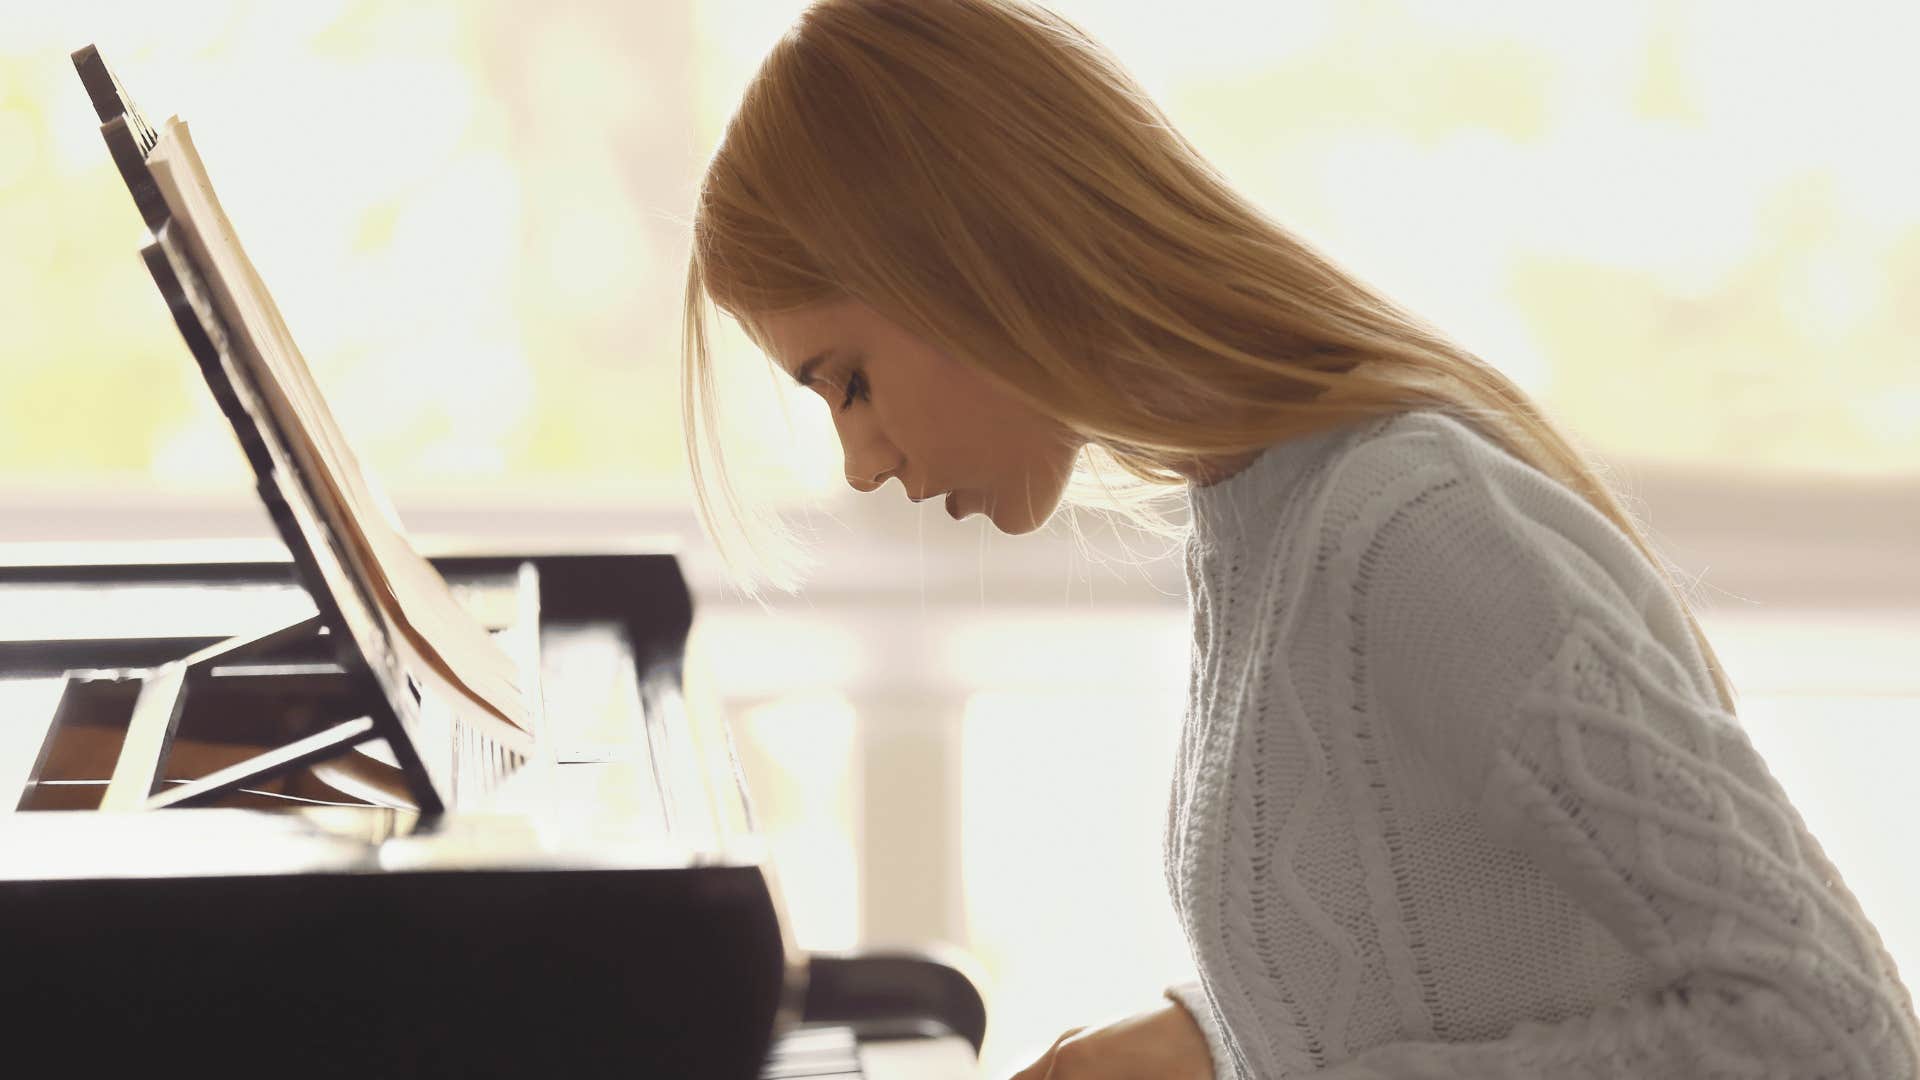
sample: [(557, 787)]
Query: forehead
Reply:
[(792, 337)]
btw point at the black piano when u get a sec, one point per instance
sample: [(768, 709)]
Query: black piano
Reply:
[(614, 914), (250, 832)]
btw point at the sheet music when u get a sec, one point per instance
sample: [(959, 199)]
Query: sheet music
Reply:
[(412, 595)]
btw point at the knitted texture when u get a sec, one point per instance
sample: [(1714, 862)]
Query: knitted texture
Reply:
[(1455, 796)]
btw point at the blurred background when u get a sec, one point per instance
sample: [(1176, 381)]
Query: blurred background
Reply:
[(1691, 229)]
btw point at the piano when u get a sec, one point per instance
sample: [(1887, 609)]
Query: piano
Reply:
[(610, 908), (248, 832)]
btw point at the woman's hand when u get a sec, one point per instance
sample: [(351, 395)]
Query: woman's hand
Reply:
[(1164, 1044)]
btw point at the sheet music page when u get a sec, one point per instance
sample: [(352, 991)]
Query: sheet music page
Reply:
[(411, 592)]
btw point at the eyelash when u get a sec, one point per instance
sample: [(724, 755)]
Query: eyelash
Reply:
[(855, 379)]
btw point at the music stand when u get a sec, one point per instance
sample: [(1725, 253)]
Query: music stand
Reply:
[(444, 751)]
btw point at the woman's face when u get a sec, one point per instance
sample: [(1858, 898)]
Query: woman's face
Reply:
[(920, 415)]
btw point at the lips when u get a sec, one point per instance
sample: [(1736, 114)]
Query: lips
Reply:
[(924, 498)]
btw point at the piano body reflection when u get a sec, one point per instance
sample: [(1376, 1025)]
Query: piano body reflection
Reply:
[(343, 811)]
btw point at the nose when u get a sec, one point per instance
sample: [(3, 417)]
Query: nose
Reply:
[(866, 456), (865, 480)]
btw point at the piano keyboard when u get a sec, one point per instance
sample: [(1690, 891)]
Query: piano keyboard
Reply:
[(814, 1052)]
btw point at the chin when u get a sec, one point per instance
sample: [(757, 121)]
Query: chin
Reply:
[(1018, 521), (1020, 516), (1011, 528)]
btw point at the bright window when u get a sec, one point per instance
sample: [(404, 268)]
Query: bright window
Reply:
[(1679, 224)]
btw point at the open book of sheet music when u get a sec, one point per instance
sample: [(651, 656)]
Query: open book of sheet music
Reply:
[(421, 620)]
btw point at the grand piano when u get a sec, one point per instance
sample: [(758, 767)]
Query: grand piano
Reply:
[(250, 832)]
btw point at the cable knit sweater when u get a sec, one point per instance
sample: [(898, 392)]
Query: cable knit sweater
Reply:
[(1455, 796)]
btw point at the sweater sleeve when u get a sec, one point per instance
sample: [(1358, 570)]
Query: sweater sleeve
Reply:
[(1192, 996), (1530, 652)]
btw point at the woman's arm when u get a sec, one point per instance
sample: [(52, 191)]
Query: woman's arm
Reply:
[(1193, 997), (1509, 631), (1159, 1044)]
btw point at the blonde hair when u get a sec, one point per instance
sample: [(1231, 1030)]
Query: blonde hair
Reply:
[(986, 175)]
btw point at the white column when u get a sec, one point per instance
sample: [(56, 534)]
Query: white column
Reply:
[(907, 759)]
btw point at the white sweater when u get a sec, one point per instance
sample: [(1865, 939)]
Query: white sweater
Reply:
[(1455, 796)]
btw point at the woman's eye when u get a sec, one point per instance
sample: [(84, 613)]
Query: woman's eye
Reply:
[(856, 383)]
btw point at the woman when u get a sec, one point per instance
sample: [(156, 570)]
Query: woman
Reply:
[(1460, 791)]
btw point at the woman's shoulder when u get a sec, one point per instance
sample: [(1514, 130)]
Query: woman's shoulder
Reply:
[(1428, 471), (1394, 452), (1408, 451), (1428, 433)]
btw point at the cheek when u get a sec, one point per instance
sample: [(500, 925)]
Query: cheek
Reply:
[(922, 417)]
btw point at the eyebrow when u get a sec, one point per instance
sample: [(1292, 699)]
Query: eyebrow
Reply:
[(805, 377)]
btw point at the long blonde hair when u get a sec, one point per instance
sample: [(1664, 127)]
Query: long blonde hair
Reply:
[(986, 175)]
